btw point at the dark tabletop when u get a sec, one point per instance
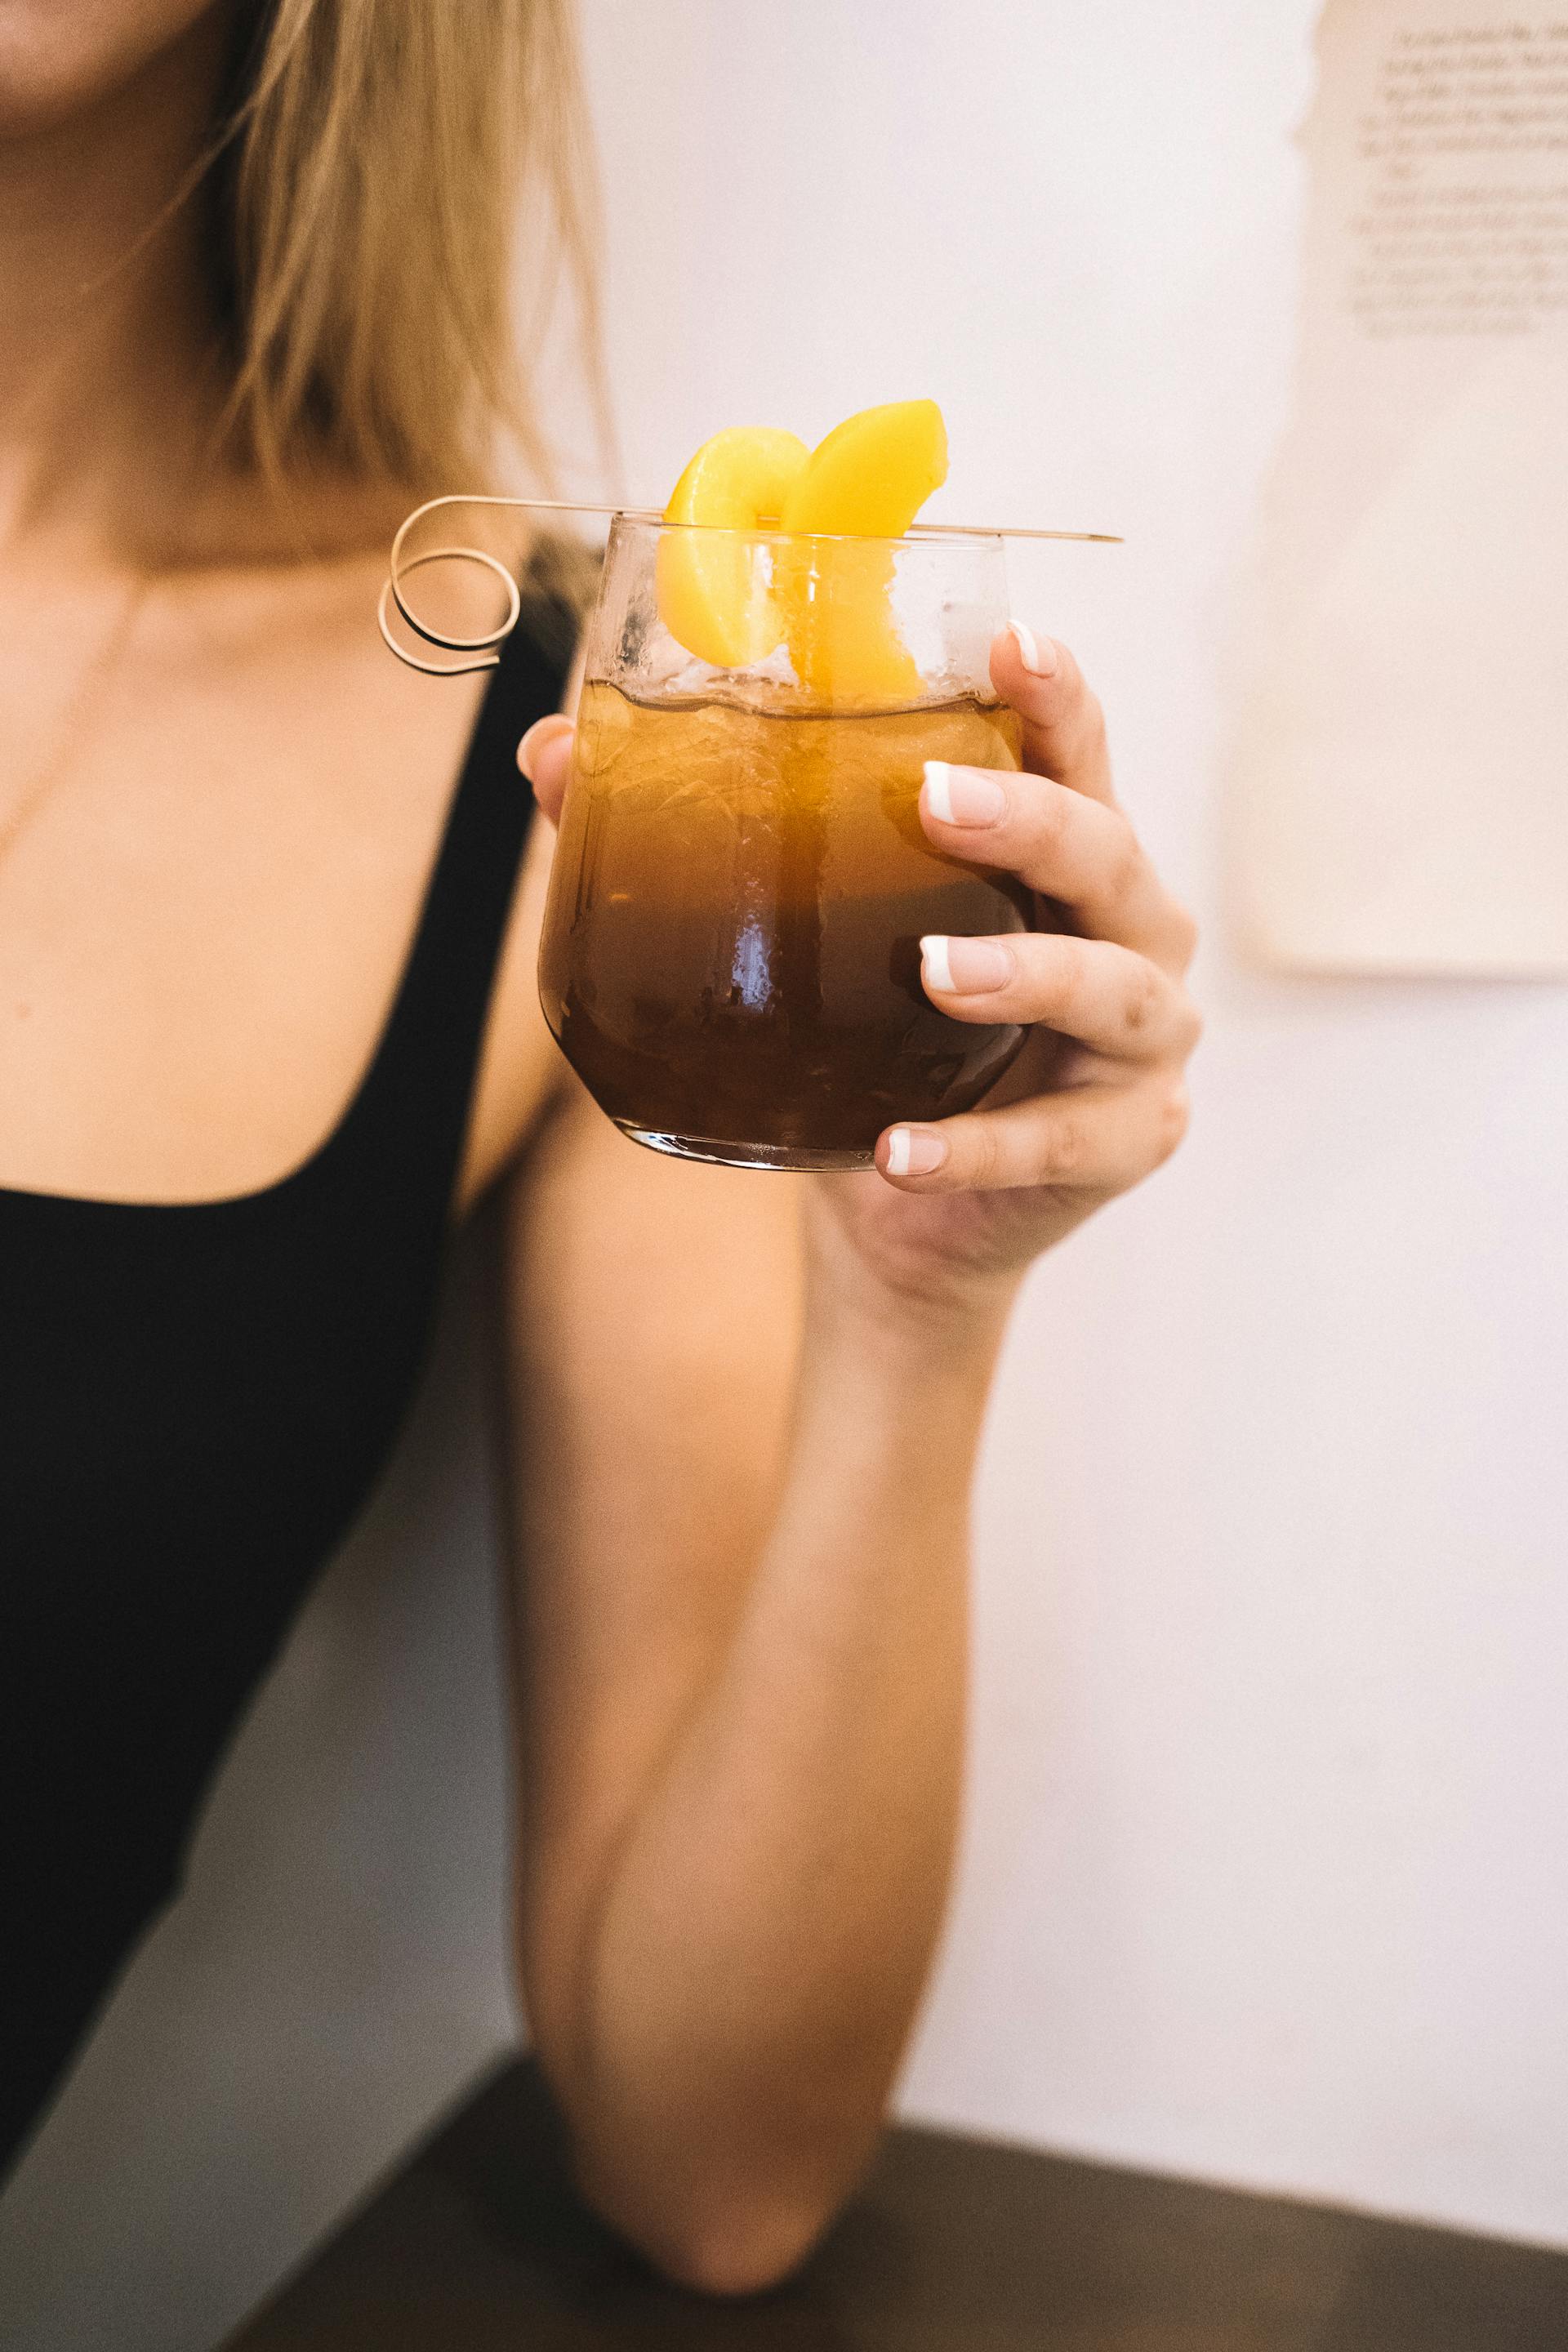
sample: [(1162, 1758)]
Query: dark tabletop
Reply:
[(954, 2245)]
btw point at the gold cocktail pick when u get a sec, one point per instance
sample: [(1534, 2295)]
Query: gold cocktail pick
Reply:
[(916, 529), (483, 648)]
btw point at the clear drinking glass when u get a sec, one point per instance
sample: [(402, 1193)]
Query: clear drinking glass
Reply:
[(730, 957)]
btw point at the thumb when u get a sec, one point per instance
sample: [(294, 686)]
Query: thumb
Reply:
[(545, 755)]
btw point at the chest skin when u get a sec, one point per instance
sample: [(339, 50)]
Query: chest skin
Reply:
[(203, 919)]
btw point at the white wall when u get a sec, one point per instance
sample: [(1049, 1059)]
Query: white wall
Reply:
[(1263, 1876)]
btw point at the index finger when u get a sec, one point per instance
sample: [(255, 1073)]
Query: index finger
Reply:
[(1063, 726)]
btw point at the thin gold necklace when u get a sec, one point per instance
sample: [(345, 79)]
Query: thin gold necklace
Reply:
[(67, 726)]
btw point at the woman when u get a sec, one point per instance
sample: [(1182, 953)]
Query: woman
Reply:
[(269, 1026)]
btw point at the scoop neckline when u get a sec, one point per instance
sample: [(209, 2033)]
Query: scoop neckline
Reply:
[(279, 1190), (259, 1196)]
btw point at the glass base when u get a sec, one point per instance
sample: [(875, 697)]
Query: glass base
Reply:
[(799, 1157)]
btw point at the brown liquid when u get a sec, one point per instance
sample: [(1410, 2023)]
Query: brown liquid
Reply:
[(730, 958)]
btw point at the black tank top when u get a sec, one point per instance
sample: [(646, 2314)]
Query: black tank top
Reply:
[(194, 1403)]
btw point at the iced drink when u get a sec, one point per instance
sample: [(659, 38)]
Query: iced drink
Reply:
[(731, 950)]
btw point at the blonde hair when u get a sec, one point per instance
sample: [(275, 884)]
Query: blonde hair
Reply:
[(375, 162)]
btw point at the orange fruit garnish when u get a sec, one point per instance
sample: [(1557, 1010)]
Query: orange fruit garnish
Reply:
[(867, 481), (714, 593), (871, 476), (827, 587)]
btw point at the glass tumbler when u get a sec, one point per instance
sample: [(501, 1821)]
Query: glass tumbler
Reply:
[(730, 957)]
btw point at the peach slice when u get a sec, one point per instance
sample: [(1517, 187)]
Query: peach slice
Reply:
[(867, 481), (714, 594), (871, 476)]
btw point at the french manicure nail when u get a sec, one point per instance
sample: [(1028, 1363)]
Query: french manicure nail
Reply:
[(915, 1151), (938, 790), (963, 795), (964, 967), (938, 971), (1039, 655)]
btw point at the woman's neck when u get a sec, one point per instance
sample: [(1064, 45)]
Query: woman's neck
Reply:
[(107, 383)]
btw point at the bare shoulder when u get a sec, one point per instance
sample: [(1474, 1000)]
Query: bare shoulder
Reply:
[(521, 1073), (672, 1254)]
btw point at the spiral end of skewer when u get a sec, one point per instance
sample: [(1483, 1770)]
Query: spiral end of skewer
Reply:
[(483, 649)]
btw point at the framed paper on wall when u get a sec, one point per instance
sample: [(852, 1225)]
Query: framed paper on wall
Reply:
[(1400, 785)]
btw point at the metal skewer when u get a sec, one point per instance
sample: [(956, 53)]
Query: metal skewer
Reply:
[(483, 648), (916, 529)]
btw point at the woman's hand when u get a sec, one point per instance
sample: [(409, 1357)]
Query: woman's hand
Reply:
[(1097, 1099)]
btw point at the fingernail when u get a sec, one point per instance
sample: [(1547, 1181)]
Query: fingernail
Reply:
[(964, 967), (541, 730), (1039, 655), (963, 795), (915, 1151)]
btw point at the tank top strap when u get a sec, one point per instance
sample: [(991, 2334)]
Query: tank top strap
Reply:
[(411, 1117)]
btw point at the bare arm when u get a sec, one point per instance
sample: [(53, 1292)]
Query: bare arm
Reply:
[(747, 1410), (742, 1518)]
